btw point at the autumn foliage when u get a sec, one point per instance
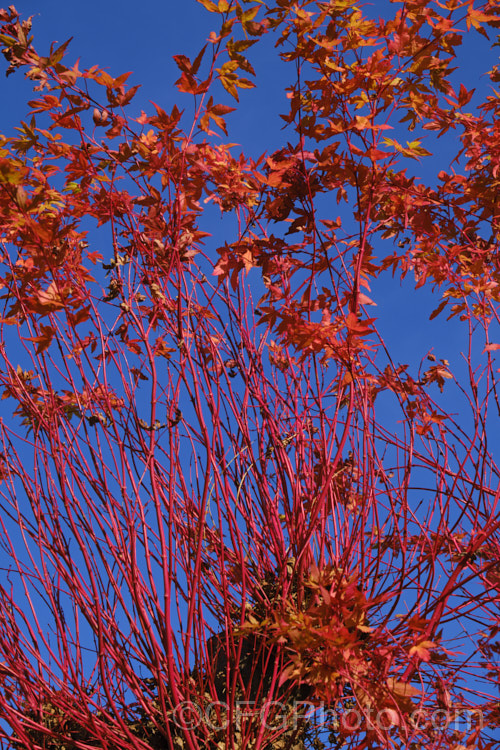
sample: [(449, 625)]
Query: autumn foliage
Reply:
[(219, 483)]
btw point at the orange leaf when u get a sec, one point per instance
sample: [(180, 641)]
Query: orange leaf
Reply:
[(421, 650), (211, 7), (364, 300), (403, 689), (50, 299), (44, 340)]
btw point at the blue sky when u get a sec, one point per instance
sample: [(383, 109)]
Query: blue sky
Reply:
[(138, 37), (119, 36)]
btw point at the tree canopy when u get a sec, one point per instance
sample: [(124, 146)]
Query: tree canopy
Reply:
[(231, 516)]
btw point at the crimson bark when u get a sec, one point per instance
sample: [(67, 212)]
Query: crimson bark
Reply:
[(230, 516)]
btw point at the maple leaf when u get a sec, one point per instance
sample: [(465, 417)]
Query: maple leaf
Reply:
[(44, 339), (422, 650), (438, 374)]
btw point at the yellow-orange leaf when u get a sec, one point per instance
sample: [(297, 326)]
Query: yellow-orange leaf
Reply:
[(403, 689), (211, 7), (421, 650)]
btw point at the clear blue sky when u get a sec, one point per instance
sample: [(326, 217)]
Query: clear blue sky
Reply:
[(120, 35)]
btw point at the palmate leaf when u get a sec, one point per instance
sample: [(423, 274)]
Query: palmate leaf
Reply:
[(219, 481)]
